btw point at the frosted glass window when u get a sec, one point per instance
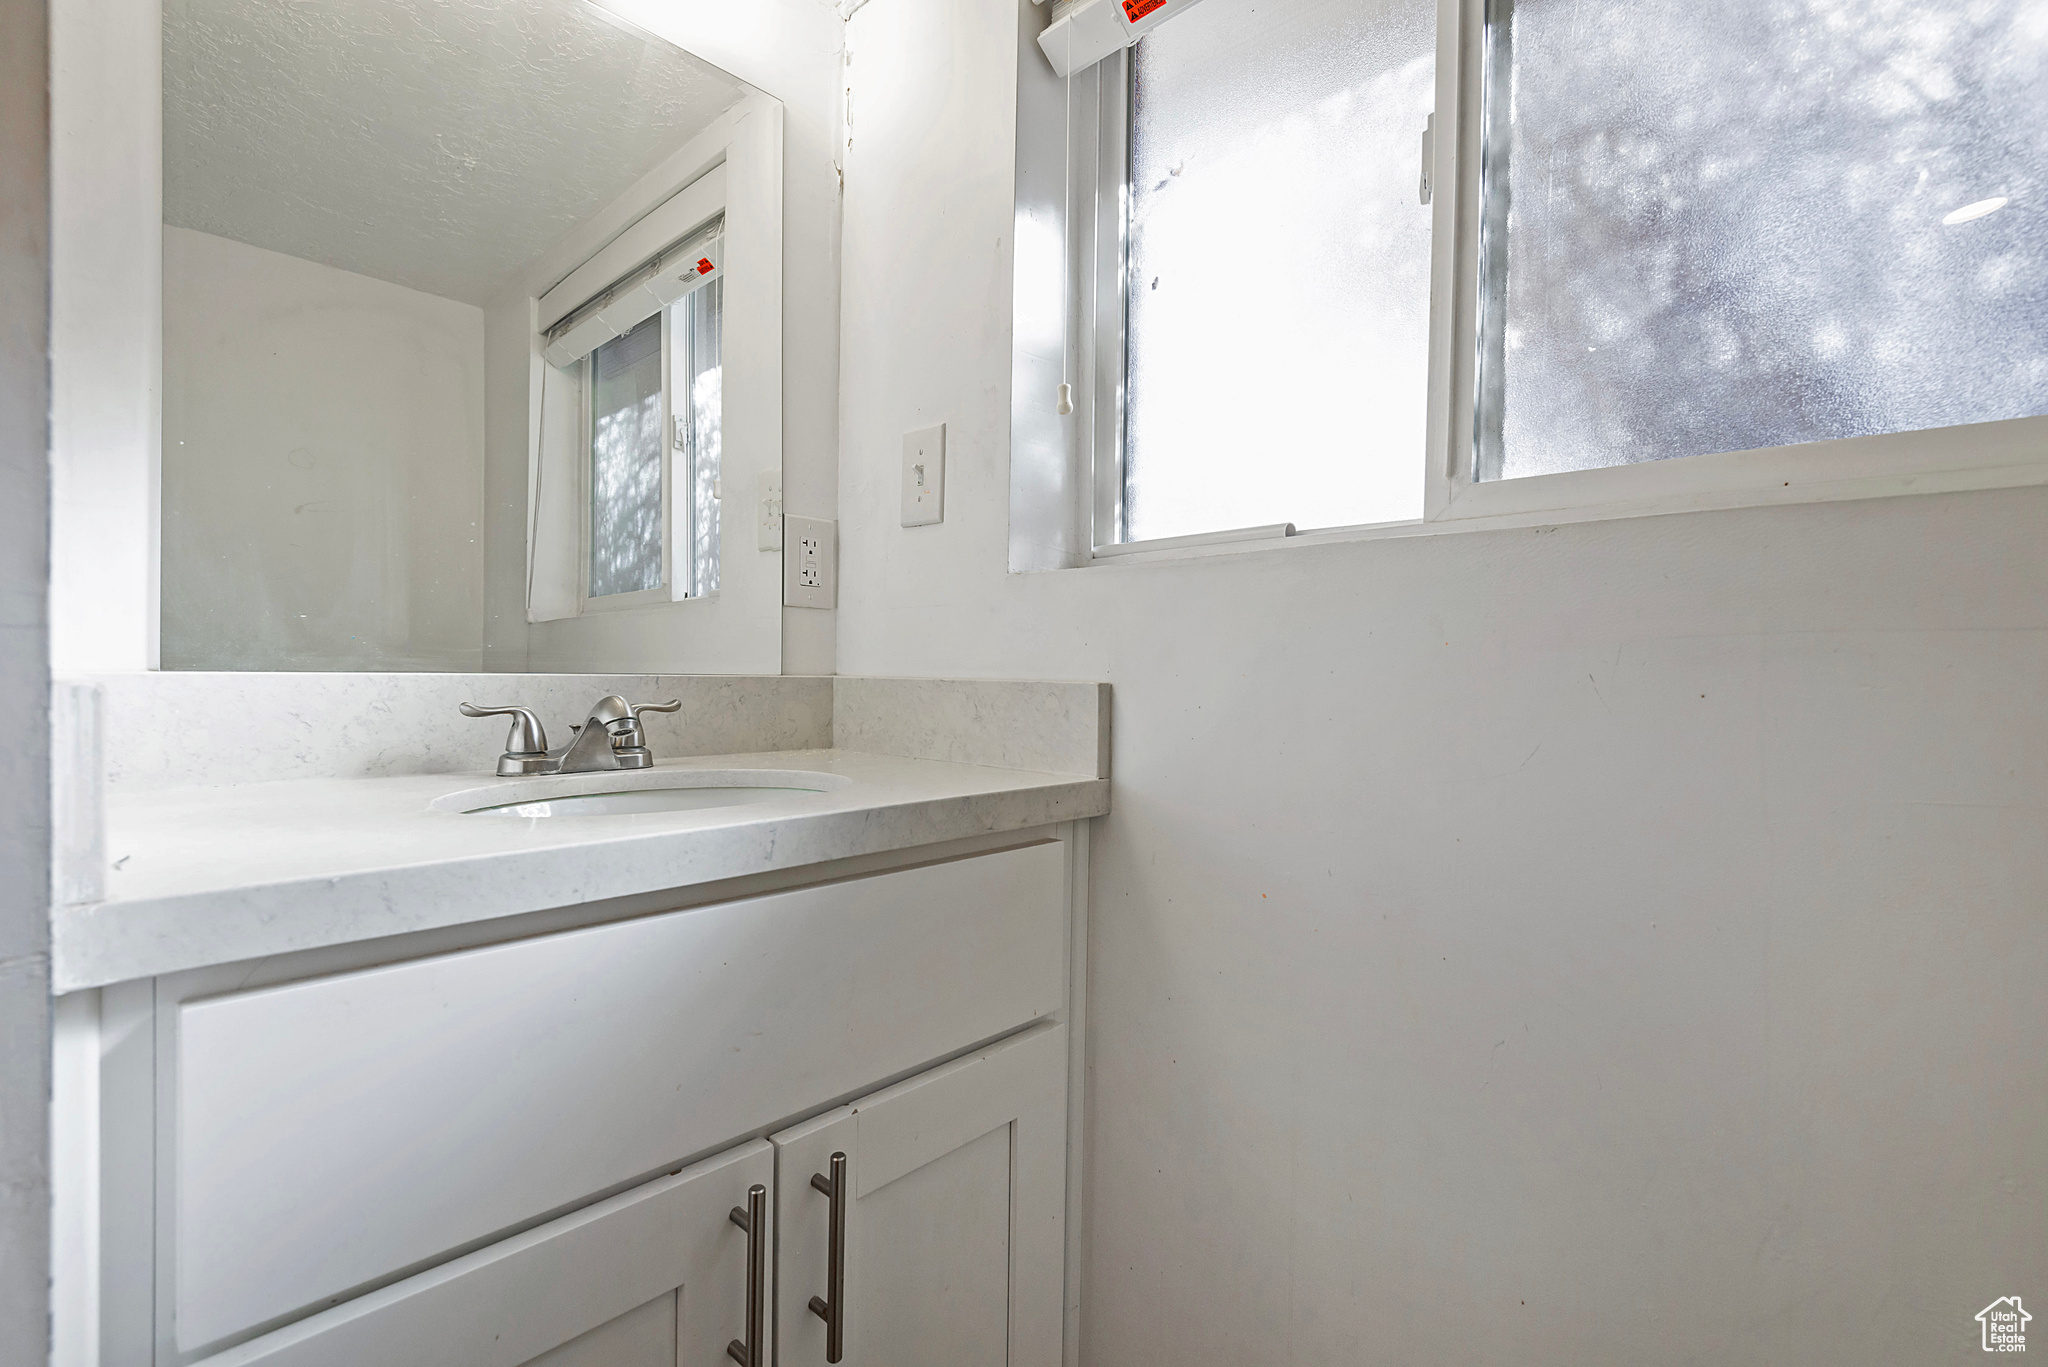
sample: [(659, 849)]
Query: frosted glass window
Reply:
[(698, 322), (1277, 283), (625, 462), (1744, 223)]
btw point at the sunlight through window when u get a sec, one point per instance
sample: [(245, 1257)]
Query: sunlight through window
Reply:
[(1278, 278)]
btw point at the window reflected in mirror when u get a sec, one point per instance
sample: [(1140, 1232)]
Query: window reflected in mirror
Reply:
[(626, 410)]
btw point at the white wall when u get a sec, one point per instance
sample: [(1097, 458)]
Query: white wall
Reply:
[(106, 206), (789, 49), (24, 683), (1611, 943), (323, 466)]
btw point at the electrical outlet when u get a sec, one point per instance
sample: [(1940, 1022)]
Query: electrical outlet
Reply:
[(768, 510), (810, 563), (924, 476)]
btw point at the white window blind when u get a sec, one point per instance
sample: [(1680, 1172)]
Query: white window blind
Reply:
[(1083, 32), (682, 269)]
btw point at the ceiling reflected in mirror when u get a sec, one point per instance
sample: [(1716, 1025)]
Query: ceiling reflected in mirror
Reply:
[(437, 144)]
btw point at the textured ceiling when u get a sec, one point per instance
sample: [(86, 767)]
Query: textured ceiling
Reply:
[(440, 144)]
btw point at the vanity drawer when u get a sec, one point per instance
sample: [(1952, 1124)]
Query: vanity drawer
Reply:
[(329, 1133)]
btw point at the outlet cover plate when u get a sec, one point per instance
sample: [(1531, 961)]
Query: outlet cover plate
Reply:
[(810, 562), (924, 476)]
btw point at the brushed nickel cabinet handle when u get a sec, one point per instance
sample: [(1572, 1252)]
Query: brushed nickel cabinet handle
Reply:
[(832, 1307), (754, 1220)]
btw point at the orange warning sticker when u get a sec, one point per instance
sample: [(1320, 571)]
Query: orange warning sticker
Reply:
[(704, 266), (1134, 10)]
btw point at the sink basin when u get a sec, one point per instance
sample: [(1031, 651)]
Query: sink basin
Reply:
[(626, 804), (635, 793)]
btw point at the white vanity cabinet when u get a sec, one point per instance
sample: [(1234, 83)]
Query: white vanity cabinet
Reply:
[(948, 1239), (529, 1151)]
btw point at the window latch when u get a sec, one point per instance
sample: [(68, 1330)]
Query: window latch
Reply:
[(1428, 155)]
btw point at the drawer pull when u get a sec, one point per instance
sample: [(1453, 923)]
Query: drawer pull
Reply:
[(754, 1220), (832, 1309)]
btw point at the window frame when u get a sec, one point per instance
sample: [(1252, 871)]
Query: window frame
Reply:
[(2008, 453), (1108, 334), (679, 487)]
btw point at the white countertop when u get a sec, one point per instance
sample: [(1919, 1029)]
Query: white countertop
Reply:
[(212, 875)]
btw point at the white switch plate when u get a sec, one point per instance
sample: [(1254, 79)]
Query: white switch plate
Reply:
[(810, 563), (924, 476), (768, 510)]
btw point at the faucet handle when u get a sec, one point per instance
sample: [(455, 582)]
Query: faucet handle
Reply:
[(527, 736), (629, 742)]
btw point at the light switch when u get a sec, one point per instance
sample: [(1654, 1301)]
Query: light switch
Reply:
[(924, 476), (810, 562), (768, 510)]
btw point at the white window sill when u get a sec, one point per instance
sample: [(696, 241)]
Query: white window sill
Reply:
[(2001, 455)]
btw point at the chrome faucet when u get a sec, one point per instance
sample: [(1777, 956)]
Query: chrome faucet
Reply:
[(611, 737)]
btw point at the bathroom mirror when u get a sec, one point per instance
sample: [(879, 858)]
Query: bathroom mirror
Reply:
[(457, 299)]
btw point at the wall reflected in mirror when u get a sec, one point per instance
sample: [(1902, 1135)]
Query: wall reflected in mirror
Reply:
[(348, 185)]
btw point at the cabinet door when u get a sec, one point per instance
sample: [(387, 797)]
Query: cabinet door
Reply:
[(954, 1194), (654, 1277)]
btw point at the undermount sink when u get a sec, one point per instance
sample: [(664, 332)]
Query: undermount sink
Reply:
[(624, 804), (634, 793)]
